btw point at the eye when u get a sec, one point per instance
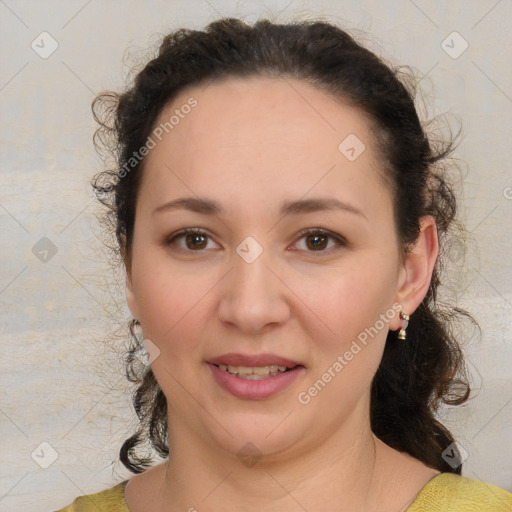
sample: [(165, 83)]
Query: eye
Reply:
[(317, 239), (195, 239)]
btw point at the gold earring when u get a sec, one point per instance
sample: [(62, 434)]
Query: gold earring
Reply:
[(401, 333)]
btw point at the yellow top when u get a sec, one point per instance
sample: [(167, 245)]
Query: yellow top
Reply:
[(445, 492)]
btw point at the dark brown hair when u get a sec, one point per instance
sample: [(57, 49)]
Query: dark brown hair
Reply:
[(414, 377)]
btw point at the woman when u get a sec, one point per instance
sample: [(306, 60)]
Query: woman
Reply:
[(279, 211)]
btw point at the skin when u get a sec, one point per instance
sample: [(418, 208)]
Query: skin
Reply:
[(251, 144)]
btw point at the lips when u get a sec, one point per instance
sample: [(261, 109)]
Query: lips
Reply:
[(253, 360), (260, 389)]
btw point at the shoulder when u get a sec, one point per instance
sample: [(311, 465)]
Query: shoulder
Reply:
[(111, 499), (448, 492)]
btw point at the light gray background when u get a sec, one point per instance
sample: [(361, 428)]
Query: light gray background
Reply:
[(61, 381)]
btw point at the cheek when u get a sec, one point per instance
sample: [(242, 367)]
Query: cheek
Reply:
[(355, 311), (351, 299), (355, 308), (170, 302)]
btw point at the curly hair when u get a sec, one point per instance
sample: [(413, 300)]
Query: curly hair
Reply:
[(413, 378)]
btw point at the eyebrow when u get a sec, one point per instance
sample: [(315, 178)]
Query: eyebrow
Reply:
[(300, 206)]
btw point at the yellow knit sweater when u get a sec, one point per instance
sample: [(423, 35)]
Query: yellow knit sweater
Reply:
[(444, 493)]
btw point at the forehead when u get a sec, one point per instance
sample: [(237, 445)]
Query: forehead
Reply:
[(265, 110), (264, 135)]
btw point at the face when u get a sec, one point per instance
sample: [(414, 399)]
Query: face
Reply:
[(316, 286)]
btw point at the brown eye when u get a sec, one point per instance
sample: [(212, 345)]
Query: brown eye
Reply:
[(195, 240), (317, 240)]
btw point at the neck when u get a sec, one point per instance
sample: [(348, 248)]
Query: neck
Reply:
[(337, 469)]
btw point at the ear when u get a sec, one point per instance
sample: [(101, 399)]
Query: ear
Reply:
[(416, 271), (130, 295)]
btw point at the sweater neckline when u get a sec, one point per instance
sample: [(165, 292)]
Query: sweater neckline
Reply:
[(433, 481)]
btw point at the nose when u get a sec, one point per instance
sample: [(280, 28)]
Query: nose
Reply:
[(253, 296)]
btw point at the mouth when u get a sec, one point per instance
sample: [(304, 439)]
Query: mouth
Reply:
[(255, 377), (255, 372), (254, 366)]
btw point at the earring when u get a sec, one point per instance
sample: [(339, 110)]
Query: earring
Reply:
[(401, 333), (137, 329)]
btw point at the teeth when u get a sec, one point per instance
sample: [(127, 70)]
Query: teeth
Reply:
[(250, 372)]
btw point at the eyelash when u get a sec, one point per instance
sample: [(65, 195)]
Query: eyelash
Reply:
[(338, 239)]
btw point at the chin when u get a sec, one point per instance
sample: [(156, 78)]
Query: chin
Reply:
[(258, 436)]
